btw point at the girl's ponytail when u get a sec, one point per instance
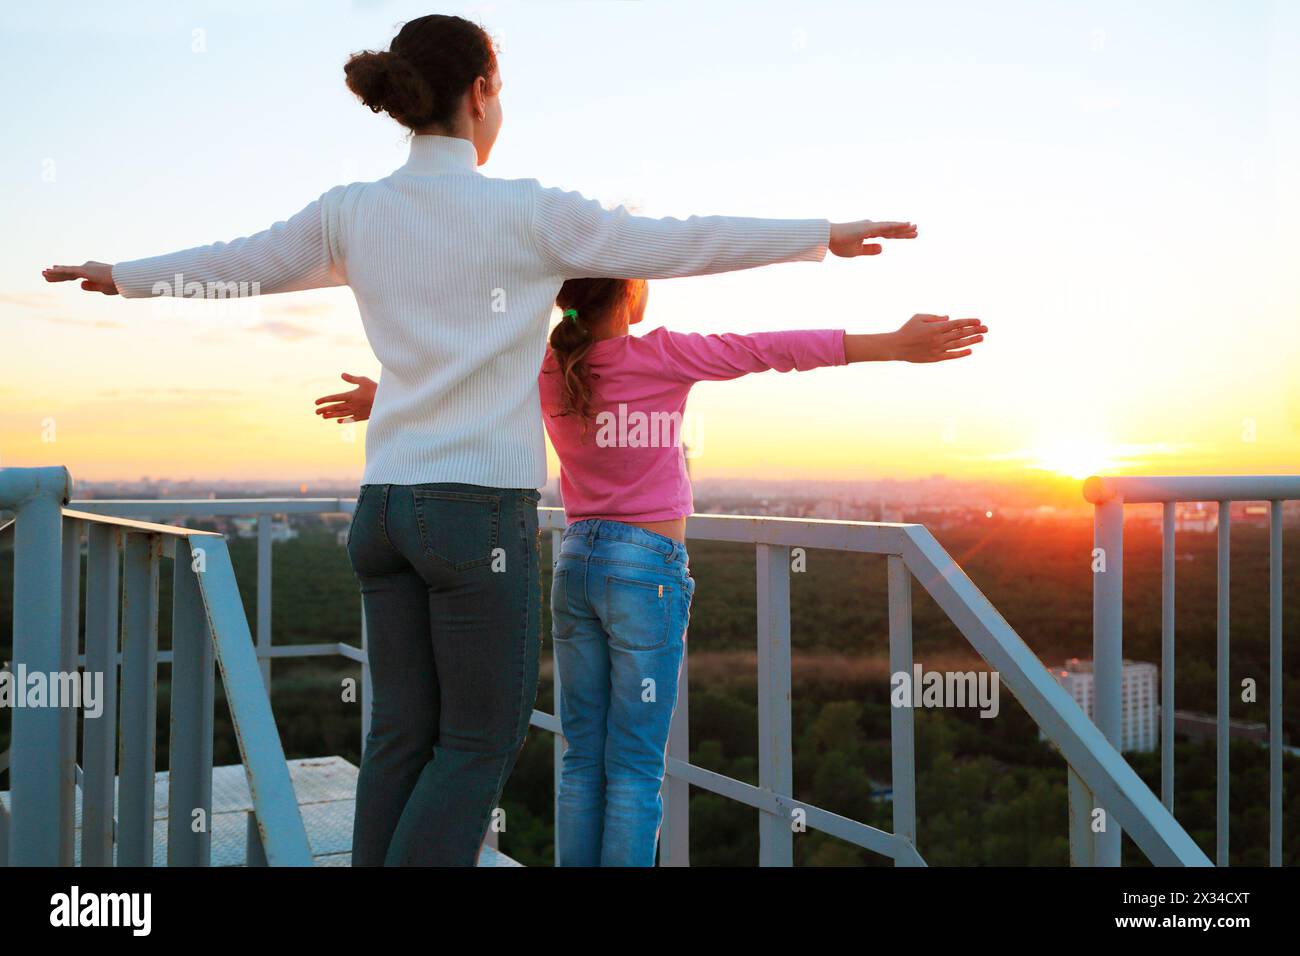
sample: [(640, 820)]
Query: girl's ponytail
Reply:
[(587, 304)]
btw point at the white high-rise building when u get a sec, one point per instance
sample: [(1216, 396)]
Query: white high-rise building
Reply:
[(1140, 699)]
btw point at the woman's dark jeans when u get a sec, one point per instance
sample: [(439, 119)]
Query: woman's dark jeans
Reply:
[(451, 588)]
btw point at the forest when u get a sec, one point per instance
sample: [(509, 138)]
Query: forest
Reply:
[(989, 792)]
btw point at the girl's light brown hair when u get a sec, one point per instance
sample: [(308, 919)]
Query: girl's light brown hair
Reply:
[(593, 302)]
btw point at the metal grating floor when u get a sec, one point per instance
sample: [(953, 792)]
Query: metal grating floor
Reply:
[(326, 788)]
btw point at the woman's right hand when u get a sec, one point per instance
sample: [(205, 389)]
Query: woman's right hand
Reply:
[(94, 276), (353, 406), (848, 238)]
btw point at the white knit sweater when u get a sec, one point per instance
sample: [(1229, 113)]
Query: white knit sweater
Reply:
[(455, 275)]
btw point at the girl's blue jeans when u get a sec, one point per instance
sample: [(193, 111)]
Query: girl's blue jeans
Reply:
[(620, 602)]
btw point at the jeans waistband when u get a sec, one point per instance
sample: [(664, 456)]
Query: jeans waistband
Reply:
[(594, 529)]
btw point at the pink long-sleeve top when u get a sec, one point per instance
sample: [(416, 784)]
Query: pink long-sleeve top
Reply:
[(628, 463)]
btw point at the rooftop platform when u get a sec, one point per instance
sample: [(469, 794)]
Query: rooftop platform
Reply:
[(326, 790)]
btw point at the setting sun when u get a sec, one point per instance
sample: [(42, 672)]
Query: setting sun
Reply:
[(1077, 459)]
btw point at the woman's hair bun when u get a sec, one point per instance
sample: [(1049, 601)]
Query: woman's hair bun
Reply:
[(387, 83), (423, 75)]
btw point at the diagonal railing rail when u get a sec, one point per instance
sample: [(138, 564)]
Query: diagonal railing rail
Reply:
[(209, 629), (912, 553)]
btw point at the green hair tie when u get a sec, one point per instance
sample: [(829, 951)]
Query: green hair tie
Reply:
[(571, 314)]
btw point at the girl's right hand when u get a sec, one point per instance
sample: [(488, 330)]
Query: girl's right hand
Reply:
[(353, 406)]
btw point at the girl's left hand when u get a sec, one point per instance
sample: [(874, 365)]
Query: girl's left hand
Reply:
[(353, 406), (95, 276), (935, 338)]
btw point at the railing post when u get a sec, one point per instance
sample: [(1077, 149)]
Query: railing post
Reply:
[(675, 837), (557, 741), (254, 852), (37, 496), (264, 597), (1168, 565), (902, 734), (775, 770), (1108, 650), (69, 647), (1222, 682), (189, 793), (1275, 684), (1083, 848), (139, 701), (99, 748)]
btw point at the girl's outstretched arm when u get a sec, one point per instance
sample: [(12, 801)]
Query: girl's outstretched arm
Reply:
[(922, 338)]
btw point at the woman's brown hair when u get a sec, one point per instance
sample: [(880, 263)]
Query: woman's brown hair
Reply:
[(427, 67), (587, 304)]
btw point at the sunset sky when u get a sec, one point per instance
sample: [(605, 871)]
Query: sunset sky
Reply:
[(1112, 187)]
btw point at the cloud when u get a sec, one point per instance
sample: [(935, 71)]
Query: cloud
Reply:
[(172, 392), (81, 323), (284, 330), (44, 302), (27, 300), (304, 309)]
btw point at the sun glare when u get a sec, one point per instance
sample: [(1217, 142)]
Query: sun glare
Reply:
[(1076, 459)]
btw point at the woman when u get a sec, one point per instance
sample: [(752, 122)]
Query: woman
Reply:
[(454, 275), (622, 590)]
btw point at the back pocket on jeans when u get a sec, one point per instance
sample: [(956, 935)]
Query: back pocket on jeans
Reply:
[(356, 511), (637, 613), (458, 528)]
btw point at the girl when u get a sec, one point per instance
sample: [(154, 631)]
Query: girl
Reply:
[(454, 274), (621, 595)]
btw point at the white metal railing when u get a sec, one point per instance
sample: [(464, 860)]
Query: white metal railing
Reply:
[(911, 552), (1109, 496), (121, 638)]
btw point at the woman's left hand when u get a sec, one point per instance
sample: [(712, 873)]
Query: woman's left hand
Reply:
[(95, 276)]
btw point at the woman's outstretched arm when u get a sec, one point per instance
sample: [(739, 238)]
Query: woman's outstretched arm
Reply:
[(579, 238), (288, 257)]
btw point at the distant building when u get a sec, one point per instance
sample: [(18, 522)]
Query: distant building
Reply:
[(1196, 516), (1256, 512), (281, 530), (890, 512), (1140, 701), (1206, 727)]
